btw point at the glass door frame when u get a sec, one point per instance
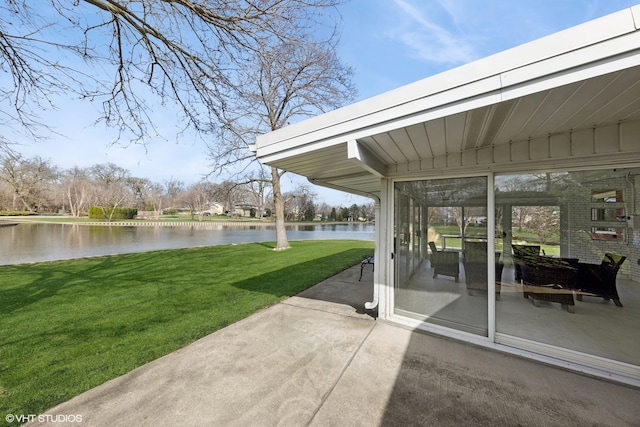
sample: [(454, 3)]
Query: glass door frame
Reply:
[(393, 273)]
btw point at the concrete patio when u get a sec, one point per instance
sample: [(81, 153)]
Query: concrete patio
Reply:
[(320, 359)]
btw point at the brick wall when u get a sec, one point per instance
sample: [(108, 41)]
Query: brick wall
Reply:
[(577, 241)]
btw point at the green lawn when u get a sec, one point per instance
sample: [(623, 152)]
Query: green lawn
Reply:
[(68, 326), (519, 236)]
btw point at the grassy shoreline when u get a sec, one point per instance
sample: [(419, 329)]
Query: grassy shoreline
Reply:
[(68, 326)]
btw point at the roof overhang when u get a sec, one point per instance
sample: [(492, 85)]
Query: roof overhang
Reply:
[(586, 77)]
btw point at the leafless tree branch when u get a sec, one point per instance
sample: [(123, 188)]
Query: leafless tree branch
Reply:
[(141, 55)]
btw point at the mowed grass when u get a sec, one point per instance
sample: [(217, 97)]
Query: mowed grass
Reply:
[(68, 326)]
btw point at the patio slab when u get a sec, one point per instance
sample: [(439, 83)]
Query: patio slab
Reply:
[(320, 359)]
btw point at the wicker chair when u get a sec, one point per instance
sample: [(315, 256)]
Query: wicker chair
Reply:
[(475, 267), (444, 263)]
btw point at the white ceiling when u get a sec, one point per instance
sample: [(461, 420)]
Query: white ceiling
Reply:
[(599, 101)]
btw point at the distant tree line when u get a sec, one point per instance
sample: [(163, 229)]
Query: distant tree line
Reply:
[(36, 185)]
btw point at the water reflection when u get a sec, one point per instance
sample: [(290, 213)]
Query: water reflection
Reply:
[(45, 242)]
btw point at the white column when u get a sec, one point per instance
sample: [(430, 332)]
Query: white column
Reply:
[(491, 257)]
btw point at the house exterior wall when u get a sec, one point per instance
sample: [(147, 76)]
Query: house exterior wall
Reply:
[(579, 218)]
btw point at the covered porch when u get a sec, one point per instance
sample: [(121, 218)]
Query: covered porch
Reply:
[(545, 137)]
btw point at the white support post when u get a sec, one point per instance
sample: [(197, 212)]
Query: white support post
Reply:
[(491, 257)]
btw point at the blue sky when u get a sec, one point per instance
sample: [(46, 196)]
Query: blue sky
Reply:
[(389, 43)]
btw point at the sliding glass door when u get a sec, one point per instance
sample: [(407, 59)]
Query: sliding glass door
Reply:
[(571, 249), (441, 252)]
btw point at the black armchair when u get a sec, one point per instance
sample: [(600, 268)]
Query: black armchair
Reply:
[(444, 263), (599, 280)]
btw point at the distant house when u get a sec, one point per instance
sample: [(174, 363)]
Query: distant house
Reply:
[(554, 123), (216, 209), (245, 210)]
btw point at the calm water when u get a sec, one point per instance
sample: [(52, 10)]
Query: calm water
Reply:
[(45, 242)]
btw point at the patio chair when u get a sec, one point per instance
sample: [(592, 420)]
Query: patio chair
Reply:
[(367, 260), (475, 267), (446, 263), (520, 253), (599, 280)]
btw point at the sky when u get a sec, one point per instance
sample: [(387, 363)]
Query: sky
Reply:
[(389, 43)]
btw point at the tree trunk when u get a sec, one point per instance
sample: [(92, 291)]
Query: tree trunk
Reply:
[(278, 202)]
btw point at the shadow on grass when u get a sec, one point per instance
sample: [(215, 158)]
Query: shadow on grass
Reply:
[(48, 279), (301, 278), (268, 245)]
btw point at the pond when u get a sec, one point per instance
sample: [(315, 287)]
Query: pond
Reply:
[(35, 242)]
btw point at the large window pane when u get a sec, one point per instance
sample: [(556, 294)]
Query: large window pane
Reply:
[(571, 248), (438, 278)]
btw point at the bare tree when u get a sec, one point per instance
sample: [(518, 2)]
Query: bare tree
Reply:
[(259, 186), (29, 180), (545, 222), (134, 56), (139, 188), (198, 198), (76, 186), (173, 188), (299, 204), (156, 197), (110, 190), (285, 82)]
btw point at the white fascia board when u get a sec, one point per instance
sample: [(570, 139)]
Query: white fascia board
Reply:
[(635, 12), (568, 76), (619, 47), (530, 61), (434, 106)]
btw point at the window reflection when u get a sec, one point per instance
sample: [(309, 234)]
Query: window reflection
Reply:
[(555, 285), (568, 280), (606, 196), (439, 278)]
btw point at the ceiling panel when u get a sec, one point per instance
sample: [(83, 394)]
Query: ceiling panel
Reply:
[(455, 130), (373, 146), (405, 144), (389, 147), (618, 103), (600, 101), (501, 114), (475, 127), (522, 112), (418, 135), (436, 135)]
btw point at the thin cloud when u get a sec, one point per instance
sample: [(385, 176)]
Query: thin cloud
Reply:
[(428, 40)]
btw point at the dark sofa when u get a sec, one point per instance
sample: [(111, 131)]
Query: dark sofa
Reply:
[(549, 279), (599, 280)]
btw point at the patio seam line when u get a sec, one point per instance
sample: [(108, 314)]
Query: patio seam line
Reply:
[(342, 372)]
